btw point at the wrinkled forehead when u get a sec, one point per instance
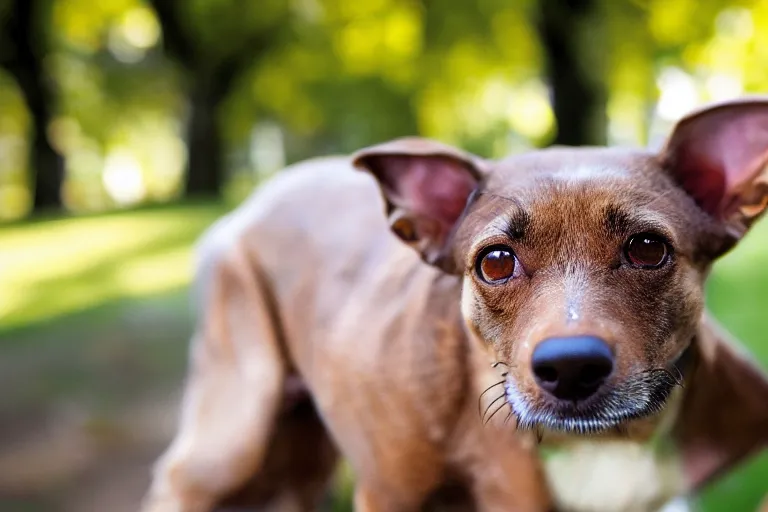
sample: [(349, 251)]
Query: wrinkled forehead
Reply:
[(602, 191)]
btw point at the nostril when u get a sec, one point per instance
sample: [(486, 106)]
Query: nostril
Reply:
[(592, 375), (545, 373)]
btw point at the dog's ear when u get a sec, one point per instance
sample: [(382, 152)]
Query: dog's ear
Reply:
[(724, 415), (718, 155), (426, 186)]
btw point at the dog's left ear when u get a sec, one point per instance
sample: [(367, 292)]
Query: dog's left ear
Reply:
[(724, 414), (718, 155), (426, 186)]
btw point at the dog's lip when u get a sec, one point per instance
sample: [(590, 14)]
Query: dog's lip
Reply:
[(573, 406), (548, 401)]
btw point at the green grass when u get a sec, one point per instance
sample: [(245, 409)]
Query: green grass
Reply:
[(95, 309), (737, 295), (53, 268)]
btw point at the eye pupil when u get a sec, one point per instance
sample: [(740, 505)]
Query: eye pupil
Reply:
[(497, 265), (646, 251)]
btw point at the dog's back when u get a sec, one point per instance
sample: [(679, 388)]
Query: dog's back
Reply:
[(320, 214)]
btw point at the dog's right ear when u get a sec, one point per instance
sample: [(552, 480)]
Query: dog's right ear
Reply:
[(719, 155), (426, 186)]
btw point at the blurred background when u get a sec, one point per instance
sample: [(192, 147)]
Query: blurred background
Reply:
[(128, 126)]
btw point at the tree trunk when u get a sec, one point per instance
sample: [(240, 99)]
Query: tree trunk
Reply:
[(205, 168), (25, 64), (571, 33), (49, 168), (211, 83)]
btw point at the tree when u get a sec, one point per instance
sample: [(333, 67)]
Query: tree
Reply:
[(571, 34), (23, 51), (210, 73)]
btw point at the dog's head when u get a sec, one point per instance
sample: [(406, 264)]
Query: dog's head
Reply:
[(583, 269)]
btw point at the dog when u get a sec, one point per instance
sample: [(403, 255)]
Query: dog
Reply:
[(438, 319)]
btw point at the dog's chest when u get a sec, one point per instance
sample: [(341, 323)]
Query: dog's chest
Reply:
[(617, 475), (614, 476)]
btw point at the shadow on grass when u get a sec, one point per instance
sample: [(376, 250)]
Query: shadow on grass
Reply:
[(98, 358), (88, 401)]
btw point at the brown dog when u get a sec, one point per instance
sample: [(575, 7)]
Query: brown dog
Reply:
[(568, 283)]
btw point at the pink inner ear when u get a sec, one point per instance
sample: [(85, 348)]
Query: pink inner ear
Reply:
[(704, 181), (435, 187), (716, 154)]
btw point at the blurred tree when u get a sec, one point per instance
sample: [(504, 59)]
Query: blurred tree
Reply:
[(23, 49), (572, 38), (257, 84), (214, 41)]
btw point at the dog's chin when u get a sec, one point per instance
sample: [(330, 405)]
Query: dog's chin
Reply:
[(609, 409)]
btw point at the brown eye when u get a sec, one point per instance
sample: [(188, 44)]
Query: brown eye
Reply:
[(496, 264), (646, 250)]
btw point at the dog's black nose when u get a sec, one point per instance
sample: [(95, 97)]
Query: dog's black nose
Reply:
[(572, 368)]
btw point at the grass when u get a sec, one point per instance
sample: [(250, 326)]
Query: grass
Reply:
[(54, 268), (93, 311), (737, 294)]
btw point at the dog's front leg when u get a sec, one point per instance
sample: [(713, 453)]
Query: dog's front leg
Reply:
[(232, 393), (520, 486)]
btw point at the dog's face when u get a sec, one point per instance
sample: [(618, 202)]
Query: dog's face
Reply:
[(583, 269)]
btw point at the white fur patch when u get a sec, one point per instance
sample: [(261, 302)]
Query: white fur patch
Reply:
[(615, 476)]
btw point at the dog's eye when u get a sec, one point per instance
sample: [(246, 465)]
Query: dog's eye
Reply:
[(496, 264), (646, 250)]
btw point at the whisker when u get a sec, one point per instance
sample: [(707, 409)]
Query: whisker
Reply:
[(677, 380), (480, 398), (491, 405), (680, 381), (494, 412)]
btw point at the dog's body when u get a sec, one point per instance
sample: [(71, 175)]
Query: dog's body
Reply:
[(304, 291), (406, 413)]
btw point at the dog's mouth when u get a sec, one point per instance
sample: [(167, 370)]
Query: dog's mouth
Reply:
[(639, 396)]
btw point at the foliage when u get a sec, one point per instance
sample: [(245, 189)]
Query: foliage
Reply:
[(332, 76)]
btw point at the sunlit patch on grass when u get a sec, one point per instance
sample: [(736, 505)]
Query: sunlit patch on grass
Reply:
[(57, 267), (155, 273)]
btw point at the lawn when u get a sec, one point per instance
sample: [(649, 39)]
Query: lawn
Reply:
[(93, 330)]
